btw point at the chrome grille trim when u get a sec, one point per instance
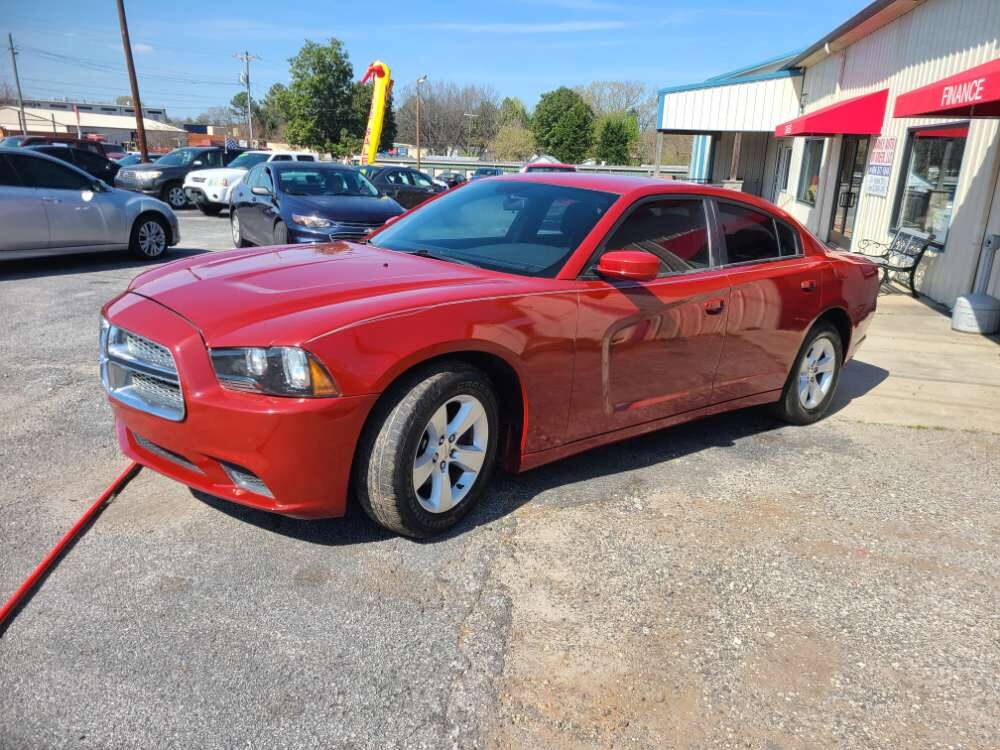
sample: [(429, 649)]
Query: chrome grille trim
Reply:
[(140, 373)]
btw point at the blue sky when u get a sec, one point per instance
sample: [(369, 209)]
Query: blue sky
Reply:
[(184, 50)]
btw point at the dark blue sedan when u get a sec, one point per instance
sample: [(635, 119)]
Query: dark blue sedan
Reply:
[(285, 202)]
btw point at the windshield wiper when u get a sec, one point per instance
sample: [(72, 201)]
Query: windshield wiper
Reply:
[(425, 253)]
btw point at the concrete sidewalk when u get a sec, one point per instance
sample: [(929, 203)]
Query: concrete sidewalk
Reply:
[(913, 370)]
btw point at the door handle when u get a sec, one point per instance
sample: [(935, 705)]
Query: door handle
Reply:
[(714, 306), (809, 285), (50, 199)]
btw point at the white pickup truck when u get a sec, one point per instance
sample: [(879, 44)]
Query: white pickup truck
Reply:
[(209, 189)]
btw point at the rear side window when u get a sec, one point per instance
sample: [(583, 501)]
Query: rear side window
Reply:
[(750, 235), (675, 231), (7, 175), (42, 173), (282, 157), (788, 239), (305, 157)]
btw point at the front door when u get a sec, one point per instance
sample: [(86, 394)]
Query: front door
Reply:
[(853, 158), (649, 350)]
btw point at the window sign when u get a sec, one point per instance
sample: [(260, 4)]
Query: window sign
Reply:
[(929, 180), (880, 166)]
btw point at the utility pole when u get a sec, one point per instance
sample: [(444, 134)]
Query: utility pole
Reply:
[(420, 80), (246, 57), (140, 127), (17, 82)]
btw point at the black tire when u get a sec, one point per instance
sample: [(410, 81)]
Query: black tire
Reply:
[(174, 196), (236, 229), (791, 407), (210, 209), (144, 241), (389, 444), (280, 233)]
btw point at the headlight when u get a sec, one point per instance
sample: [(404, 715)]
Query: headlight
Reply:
[(316, 222), (149, 176), (220, 181), (278, 371)]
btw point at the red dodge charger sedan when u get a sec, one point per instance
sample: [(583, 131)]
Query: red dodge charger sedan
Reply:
[(515, 321)]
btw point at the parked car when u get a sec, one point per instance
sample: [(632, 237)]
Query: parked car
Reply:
[(285, 202), (408, 187), (85, 144), (209, 189), (50, 207), (134, 157), (91, 163), (452, 179), (544, 166), (465, 334), (482, 172), (165, 177)]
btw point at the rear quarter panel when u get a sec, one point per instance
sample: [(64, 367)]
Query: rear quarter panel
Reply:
[(851, 283)]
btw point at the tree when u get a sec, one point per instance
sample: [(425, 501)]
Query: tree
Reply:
[(443, 124), (124, 101), (238, 110), (563, 124), (274, 112), (321, 99), (615, 137), (513, 113), (216, 116), (513, 143)]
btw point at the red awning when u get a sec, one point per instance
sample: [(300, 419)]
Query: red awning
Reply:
[(958, 131), (974, 93), (861, 115)]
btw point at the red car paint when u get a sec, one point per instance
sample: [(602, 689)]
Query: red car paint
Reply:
[(580, 362)]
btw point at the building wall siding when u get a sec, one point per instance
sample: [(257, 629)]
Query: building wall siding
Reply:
[(746, 106), (936, 39)]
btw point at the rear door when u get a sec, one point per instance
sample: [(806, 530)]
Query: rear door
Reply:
[(78, 216), (22, 213), (649, 350), (776, 295)]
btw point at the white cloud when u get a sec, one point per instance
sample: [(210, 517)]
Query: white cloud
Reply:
[(142, 49), (558, 27)]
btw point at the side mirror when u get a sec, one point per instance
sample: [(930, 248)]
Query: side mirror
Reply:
[(260, 190), (197, 163), (99, 186), (631, 265)]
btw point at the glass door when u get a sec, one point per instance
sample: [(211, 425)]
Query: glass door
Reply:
[(850, 175)]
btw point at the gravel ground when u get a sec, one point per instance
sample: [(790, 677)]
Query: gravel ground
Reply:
[(729, 583)]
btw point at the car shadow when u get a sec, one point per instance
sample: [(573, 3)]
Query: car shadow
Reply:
[(508, 492), (62, 265)]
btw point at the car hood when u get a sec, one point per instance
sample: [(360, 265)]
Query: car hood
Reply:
[(289, 295), (153, 166), (344, 207), (216, 172)]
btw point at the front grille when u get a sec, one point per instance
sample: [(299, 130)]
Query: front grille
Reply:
[(140, 373), (352, 229), (197, 179), (162, 452)]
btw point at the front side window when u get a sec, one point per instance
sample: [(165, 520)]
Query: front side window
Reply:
[(930, 177), (210, 159), (42, 173), (179, 157), (7, 176), (812, 158), (421, 180), (675, 231), (502, 225), (750, 235), (253, 177)]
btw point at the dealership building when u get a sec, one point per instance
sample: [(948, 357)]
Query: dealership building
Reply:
[(888, 122)]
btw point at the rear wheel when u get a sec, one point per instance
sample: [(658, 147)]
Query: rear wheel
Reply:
[(280, 233), (209, 209), (174, 195), (234, 225), (428, 451), (149, 237), (812, 382)]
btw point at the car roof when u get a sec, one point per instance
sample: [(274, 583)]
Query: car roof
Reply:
[(332, 165)]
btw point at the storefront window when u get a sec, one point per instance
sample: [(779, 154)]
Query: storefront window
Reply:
[(812, 157), (930, 176)]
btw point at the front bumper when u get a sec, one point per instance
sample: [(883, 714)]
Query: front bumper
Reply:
[(301, 449), (208, 194), (146, 188)]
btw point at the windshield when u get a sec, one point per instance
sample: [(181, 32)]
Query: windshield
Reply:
[(506, 225), (487, 171), (247, 160), (12, 140), (307, 180), (179, 157)]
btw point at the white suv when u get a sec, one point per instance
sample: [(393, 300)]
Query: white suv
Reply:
[(209, 189)]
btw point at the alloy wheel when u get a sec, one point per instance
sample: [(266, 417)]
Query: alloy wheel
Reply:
[(176, 197), (816, 372), (234, 223), (450, 453), (152, 238)]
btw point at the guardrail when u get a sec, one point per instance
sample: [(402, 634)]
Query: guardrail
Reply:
[(435, 165)]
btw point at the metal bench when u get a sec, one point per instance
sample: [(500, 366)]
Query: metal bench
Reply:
[(899, 257)]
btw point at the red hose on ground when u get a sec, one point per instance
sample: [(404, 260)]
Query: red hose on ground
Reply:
[(43, 567)]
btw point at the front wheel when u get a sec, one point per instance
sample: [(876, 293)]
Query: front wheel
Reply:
[(813, 380), (149, 237), (174, 196), (428, 451), (280, 233), (234, 225)]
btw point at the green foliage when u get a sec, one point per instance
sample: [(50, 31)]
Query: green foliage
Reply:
[(361, 98), (513, 113), (321, 108), (513, 143), (617, 138), (563, 124)]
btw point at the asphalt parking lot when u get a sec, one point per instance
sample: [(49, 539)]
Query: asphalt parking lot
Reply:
[(729, 583)]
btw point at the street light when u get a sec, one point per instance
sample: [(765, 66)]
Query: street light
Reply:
[(421, 80)]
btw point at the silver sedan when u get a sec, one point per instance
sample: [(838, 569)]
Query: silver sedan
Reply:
[(49, 207)]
